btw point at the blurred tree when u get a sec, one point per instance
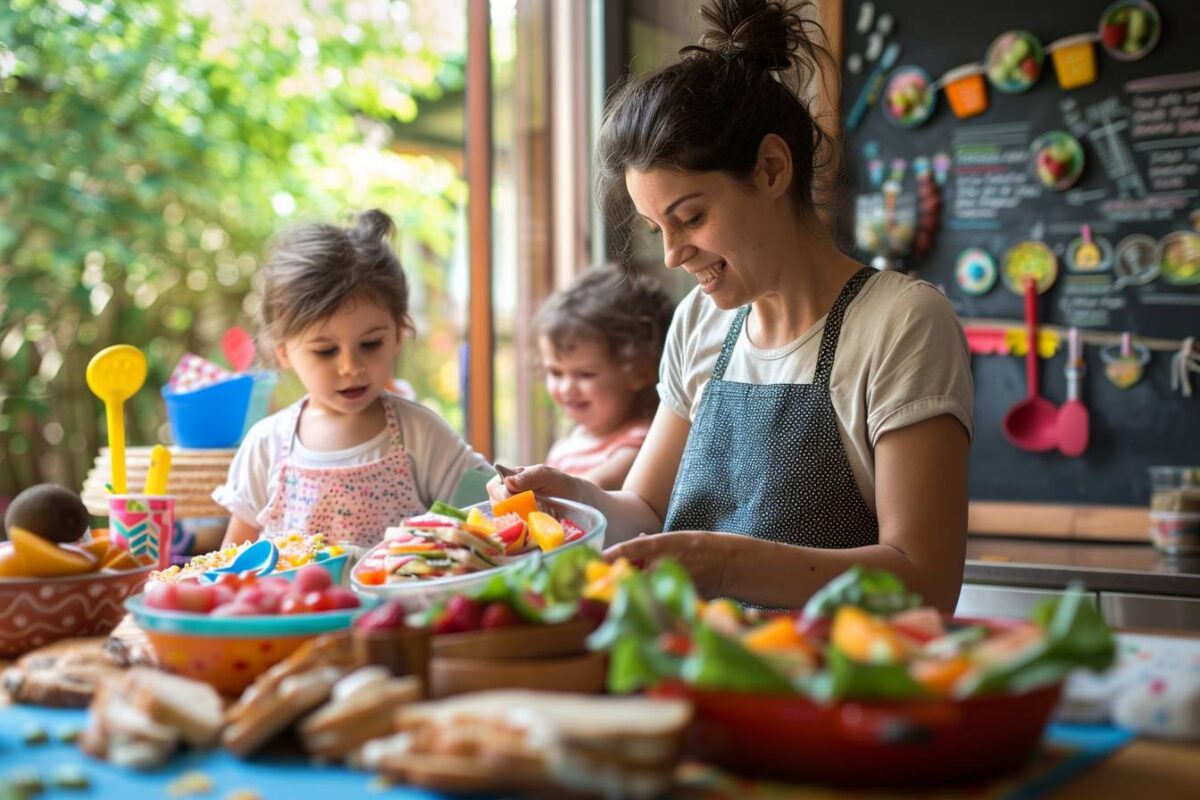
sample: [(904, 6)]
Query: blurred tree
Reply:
[(148, 151)]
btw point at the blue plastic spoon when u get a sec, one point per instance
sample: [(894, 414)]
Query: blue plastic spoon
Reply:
[(259, 557)]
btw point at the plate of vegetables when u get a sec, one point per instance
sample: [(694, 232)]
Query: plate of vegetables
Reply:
[(864, 687), (1129, 29), (1014, 61), (909, 97)]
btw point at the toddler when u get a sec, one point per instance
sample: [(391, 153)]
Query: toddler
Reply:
[(600, 341), (349, 459)]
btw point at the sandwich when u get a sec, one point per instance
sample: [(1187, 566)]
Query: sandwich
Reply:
[(362, 707)]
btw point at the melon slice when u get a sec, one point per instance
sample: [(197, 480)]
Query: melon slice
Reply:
[(44, 559), (10, 565), (118, 558), (96, 548)]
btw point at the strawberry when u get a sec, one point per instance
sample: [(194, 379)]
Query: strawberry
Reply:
[(1029, 68), (461, 614), (594, 611), (313, 578), (1113, 34), (499, 615), (386, 617)]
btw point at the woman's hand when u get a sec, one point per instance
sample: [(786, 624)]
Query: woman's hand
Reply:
[(537, 478), (702, 553)]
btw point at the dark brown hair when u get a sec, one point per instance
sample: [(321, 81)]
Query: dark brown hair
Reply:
[(710, 110), (314, 268), (627, 312)]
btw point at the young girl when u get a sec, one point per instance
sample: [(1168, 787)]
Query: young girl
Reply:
[(600, 341), (349, 459)]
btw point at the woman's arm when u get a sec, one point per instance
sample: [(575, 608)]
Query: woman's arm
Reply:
[(641, 504), (921, 503), (611, 475), (239, 531)]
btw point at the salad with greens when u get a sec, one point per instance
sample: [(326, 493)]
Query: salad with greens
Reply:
[(863, 636)]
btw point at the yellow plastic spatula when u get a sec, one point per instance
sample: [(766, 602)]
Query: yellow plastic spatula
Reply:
[(114, 375), (160, 469)]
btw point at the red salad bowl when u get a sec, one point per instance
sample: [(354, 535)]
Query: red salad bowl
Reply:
[(868, 743), (865, 744)]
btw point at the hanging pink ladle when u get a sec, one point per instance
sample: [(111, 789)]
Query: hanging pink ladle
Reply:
[(1032, 424)]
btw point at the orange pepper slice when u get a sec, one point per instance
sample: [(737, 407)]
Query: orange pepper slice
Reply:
[(939, 676), (545, 530), (864, 638), (520, 504)]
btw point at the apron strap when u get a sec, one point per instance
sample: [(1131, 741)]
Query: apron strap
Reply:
[(731, 338), (395, 432), (290, 430), (833, 325)]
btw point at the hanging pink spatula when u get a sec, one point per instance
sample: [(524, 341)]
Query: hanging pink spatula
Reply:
[(1032, 424), (1073, 416), (238, 348)]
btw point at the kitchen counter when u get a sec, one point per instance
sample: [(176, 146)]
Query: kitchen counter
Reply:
[(1101, 566)]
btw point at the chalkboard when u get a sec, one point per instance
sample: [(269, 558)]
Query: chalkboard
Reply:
[(1139, 126)]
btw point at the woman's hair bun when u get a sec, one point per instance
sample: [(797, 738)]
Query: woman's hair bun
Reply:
[(768, 33), (374, 226)]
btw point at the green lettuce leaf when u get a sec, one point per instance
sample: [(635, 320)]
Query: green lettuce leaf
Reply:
[(852, 679), (718, 662), (1076, 636), (875, 590)]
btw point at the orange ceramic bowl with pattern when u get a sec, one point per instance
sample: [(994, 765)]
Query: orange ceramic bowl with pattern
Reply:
[(37, 611), (228, 664), (228, 653)]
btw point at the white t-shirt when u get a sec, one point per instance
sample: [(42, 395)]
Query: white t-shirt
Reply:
[(439, 456), (902, 358)]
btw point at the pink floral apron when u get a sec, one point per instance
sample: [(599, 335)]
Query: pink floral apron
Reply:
[(350, 505)]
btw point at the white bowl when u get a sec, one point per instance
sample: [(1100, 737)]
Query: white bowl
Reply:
[(421, 594)]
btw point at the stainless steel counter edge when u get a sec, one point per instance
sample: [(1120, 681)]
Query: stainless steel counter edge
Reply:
[(1096, 579)]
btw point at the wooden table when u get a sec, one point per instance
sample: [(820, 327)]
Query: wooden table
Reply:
[(1146, 768)]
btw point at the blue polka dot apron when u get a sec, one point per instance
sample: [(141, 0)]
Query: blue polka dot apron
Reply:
[(767, 461)]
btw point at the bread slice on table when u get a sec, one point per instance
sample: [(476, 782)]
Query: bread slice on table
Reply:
[(138, 718), (192, 708), (288, 691), (362, 707), (518, 740), (65, 674)]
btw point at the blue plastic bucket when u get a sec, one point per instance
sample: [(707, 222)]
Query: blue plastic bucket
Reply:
[(260, 399), (211, 417)]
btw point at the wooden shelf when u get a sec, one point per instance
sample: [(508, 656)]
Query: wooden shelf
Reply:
[(1048, 520)]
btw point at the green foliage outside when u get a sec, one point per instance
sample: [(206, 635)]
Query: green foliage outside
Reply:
[(148, 151)]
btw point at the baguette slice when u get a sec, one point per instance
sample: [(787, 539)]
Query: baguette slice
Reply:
[(192, 708), (363, 707), (272, 712)]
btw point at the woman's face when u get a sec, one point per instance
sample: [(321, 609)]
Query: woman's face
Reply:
[(713, 226)]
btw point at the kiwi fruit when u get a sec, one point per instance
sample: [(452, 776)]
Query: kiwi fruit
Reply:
[(51, 511)]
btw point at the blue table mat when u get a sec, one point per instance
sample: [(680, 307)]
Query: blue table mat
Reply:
[(1068, 750)]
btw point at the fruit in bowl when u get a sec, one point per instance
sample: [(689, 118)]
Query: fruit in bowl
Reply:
[(455, 551), (38, 611), (909, 96), (864, 687), (227, 633), (1057, 160), (56, 580), (1014, 61), (1129, 29)]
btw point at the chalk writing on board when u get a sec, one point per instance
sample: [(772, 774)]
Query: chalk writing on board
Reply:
[(991, 172)]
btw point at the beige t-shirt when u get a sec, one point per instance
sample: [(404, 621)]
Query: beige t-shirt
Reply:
[(901, 359)]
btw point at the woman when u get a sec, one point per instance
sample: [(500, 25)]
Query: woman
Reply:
[(816, 414)]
